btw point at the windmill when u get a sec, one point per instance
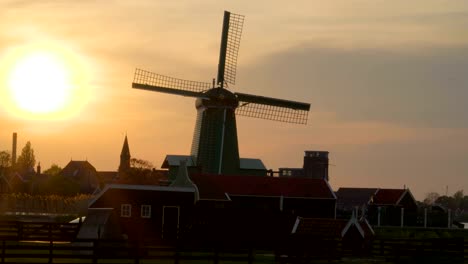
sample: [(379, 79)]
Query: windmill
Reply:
[(215, 147)]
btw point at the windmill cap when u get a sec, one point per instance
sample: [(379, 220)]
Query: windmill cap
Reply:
[(217, 97)]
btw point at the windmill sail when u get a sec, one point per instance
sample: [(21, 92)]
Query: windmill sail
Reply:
[(230, 42), (272, 108), (146, 80), (215, 148)]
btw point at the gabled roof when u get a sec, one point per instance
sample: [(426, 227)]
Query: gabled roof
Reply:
[(174, 160), (348, 198), (76, 167), (331, 228), (217, 186), (319, 227), (251, 164), (134, 187), (245, 163), (389, 196)]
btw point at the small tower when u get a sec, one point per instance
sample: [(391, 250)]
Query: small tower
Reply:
[(125, 157), (316, 164)]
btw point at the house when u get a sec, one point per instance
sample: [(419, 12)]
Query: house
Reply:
[(82, 172), (352, 199), (322, 236), (213, 207), (149, 212), (367, 201)]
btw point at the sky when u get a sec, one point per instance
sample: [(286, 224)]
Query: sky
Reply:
[(387, 83)]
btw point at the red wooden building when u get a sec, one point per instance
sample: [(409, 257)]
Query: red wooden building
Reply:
[(214, 207)]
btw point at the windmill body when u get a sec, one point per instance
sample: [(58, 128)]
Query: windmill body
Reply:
[(215, 146)]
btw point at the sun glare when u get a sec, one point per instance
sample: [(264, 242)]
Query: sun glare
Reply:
[(43, 82)]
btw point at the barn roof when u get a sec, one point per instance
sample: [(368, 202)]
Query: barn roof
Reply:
[(134, 187), (331, 228), (174, 160), (348, 198), (217, 186), (251, 164), (389, 196), (76, 167), (245, 163)]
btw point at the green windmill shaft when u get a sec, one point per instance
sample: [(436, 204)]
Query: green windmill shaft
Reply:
[(214, 145)]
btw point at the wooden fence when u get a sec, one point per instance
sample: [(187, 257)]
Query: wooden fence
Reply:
[(26, 242)]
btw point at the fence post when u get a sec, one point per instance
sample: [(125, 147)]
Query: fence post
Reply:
[(379, 209), (176, 254), (3, 251), (402, 216), (449, 218), (250, 260), (51, 243), (95, 249), (216, 255), (425, 217)]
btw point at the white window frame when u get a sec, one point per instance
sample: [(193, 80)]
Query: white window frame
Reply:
[(148, 214), (178, 217), (124, 209)]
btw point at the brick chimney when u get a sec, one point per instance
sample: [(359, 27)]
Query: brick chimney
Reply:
[(316, 164), (13, 151)]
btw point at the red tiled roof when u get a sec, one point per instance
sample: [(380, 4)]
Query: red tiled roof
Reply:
[(388, 196), (215, 186)]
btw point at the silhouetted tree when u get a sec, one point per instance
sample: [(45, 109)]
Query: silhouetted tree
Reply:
[(140, 164), (53, 170), (431, 198), (5, 159), (27, 160)]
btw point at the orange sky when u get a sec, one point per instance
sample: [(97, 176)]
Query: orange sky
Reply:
[(386, 81)]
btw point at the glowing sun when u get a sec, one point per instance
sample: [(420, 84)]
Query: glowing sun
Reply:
[(44, 81)]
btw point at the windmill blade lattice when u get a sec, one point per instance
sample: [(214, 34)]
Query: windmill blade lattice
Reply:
[(153, 79), (272, 109), (273, 113), (230, 42)]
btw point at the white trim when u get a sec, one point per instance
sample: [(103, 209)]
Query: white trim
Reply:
[(352, 221), (331, 190), (227, 196), (122, 210), (149, 211), (178, 217), (222, 143), (403, 195), (139, 188), (281, 202), (369, 226), (296, 225)]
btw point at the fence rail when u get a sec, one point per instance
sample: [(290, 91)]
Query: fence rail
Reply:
[(26, 242)]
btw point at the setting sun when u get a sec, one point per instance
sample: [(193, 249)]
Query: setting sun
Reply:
[(43, 81)]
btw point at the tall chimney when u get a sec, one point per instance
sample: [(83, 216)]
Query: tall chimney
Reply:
[(13, 151), (316, 164)]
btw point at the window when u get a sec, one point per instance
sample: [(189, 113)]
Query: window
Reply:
[(146, 211), (126, 210)]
